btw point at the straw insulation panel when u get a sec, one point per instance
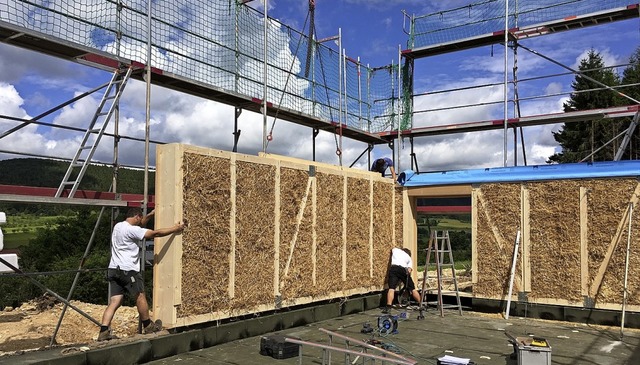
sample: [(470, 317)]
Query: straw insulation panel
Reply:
[(266, 232), (574, 236)]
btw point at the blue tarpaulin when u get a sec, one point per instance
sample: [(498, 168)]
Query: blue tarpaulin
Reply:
[(585, 170)]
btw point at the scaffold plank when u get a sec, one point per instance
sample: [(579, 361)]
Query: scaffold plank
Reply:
[(31, 194)]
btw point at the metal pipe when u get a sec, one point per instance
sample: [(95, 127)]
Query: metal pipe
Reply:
[(340, 86), (581, 74), (147, 128), (41, 286), (505, 87), (34, 119), (264, 93), (77, 276)]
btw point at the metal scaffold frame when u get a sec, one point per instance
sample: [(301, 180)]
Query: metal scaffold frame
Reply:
[(346, 113), (510, 36)]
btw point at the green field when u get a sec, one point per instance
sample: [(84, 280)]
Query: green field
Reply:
[(452, 224), (20, 229)]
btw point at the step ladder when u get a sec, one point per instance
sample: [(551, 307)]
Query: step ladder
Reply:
[(93, 134), (440, 248)]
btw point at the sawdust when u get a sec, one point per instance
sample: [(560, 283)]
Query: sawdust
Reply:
[(30, 327)]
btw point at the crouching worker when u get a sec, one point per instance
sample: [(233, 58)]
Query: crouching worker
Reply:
[(400, 272), (124, 268)]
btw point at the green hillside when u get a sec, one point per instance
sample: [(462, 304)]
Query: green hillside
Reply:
[(38, 172)]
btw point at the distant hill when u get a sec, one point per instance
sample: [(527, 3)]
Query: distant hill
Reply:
[(38, 172), (49, 173)]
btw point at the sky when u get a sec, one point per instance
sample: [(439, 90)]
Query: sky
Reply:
[(32, 83)]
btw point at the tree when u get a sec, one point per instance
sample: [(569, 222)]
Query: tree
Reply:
[(59, 248), (579, 139)]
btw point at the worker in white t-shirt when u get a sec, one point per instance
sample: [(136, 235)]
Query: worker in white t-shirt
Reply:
[(400, 272), (124, 268)]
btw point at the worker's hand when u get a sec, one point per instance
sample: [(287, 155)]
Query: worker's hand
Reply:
[(180, 226)]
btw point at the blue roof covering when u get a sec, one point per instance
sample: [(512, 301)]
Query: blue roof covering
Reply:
[(523, 173)]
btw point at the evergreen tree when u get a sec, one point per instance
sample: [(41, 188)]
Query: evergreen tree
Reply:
[(579, 139)]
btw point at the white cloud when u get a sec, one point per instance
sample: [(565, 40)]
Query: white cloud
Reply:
[(553, 88)]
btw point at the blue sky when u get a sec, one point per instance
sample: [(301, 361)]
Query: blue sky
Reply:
[(31, 83)]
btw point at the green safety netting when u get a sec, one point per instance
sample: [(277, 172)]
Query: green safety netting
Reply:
[(220, 43), (486, 17)]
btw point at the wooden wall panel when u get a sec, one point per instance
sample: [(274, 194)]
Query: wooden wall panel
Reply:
[(498, 224), (205, 244), (329, 232), (254, 231), (555, 239), (358, 249), (606, 206), (382, 230), (573, 227), (295, 233), (264, 233)]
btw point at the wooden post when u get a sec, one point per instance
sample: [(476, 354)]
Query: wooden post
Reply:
[(167, 268), (526, 239), (276, 234), (584, 238), (232, 227)]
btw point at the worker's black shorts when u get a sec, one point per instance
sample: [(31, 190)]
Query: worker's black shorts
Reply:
[(397, 275), (121, 281)]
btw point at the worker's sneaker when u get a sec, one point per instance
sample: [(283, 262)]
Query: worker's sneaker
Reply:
[(386, 310), (106, 335), (153, 327)]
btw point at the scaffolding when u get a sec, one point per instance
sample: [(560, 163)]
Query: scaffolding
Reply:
[(506, 23), (226, 51)]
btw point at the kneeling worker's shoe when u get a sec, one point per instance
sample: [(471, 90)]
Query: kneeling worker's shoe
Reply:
[(153, 327), (106, 335)]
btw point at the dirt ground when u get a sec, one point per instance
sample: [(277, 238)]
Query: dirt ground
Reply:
[(30, 327)]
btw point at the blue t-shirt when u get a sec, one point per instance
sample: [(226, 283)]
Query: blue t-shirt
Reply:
[(383, 167)]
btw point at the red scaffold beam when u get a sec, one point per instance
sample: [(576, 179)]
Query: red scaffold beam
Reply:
[(444, 209)]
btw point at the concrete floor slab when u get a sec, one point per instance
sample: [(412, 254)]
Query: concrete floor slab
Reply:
[(480, 337)]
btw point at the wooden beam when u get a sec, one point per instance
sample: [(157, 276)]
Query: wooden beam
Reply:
[(299, 217), (371, 200), (474, 235), (584, 240), (344, 227), (314, 233), (276, 234), (167, 268), (526, 239), (232, 224)]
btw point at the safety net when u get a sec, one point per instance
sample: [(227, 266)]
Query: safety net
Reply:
[(488, 16), (220, 44)]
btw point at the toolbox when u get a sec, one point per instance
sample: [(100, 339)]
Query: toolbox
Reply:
[(532, 351), (276, 347)]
